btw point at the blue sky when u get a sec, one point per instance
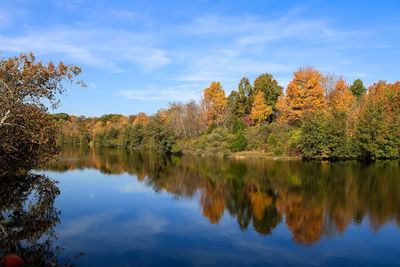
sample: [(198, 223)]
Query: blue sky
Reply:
[(141, 55)]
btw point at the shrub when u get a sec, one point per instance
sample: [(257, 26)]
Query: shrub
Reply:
[(211, 128), (257, 136), (277, 151), (238, 126), (272, 140), (217, 137), (238, 142)]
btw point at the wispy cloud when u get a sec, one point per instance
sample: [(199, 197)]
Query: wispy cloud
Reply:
[(178, 55), (104, 48), (236, 46), (179, 93), (154, 96)]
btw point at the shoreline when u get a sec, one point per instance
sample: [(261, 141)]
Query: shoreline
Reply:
[(242, 155), (253, 154)]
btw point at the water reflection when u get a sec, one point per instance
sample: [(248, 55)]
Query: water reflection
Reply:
[(313, 199), (27, 219)]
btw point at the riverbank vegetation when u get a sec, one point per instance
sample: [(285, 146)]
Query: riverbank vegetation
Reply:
[(317, 116)]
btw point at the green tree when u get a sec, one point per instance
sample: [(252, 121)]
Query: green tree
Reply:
[(270, 87), (160, 134), (238, 126), (358, 89), (374, 138), (314, 136), (240, 101), (238, 142), (133, 135)]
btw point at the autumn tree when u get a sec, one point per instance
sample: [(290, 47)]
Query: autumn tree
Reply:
[(341, 98), (187, 120), (358, 89), (330, 133), (270, 88), (215, 102), (303, 94), (141, 118), (329, 83), (27, 132), (379, 122), (260, 111)]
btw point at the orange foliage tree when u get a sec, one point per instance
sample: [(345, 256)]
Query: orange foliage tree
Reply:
[(215, 102), (141, 118), (303, 94), (260, 111), (341, 98)]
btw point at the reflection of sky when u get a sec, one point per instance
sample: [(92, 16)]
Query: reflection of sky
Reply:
[(118, 221)]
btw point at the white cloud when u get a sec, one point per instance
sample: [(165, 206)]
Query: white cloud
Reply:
[(214, 47), (237, 46), (179, 93), (106, 48), (152, 96)]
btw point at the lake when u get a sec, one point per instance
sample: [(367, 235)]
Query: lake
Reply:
[(124, 207)]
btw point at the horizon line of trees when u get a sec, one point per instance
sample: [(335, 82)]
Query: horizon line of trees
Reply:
[(317, 116)]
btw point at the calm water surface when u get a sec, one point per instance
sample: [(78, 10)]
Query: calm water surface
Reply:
[(124, 208)]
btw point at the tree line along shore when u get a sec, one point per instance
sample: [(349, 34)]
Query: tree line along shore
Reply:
[(317, 116)]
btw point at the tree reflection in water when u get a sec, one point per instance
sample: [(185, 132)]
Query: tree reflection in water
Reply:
[(314, 199), (27, 219)]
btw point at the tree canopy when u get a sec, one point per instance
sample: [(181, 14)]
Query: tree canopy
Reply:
[(27, 133)]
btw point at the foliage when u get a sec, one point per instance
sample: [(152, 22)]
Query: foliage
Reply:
[(318, 117), (217, 138), (260, 111), (269, 86), (238, 142), (211, 128), (272, 140), (358, 89), (341, 98), (160, 134), (240, 101), (314, 136), (215, 103), (277, 151), (133, 135), (187, 120), (257, 136), (238, 126), (304, 94), (27, 132)]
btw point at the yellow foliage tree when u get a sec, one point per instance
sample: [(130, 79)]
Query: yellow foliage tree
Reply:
[(215, 102), (260, 111), (303, 94), (341, 98), (141, 118)]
